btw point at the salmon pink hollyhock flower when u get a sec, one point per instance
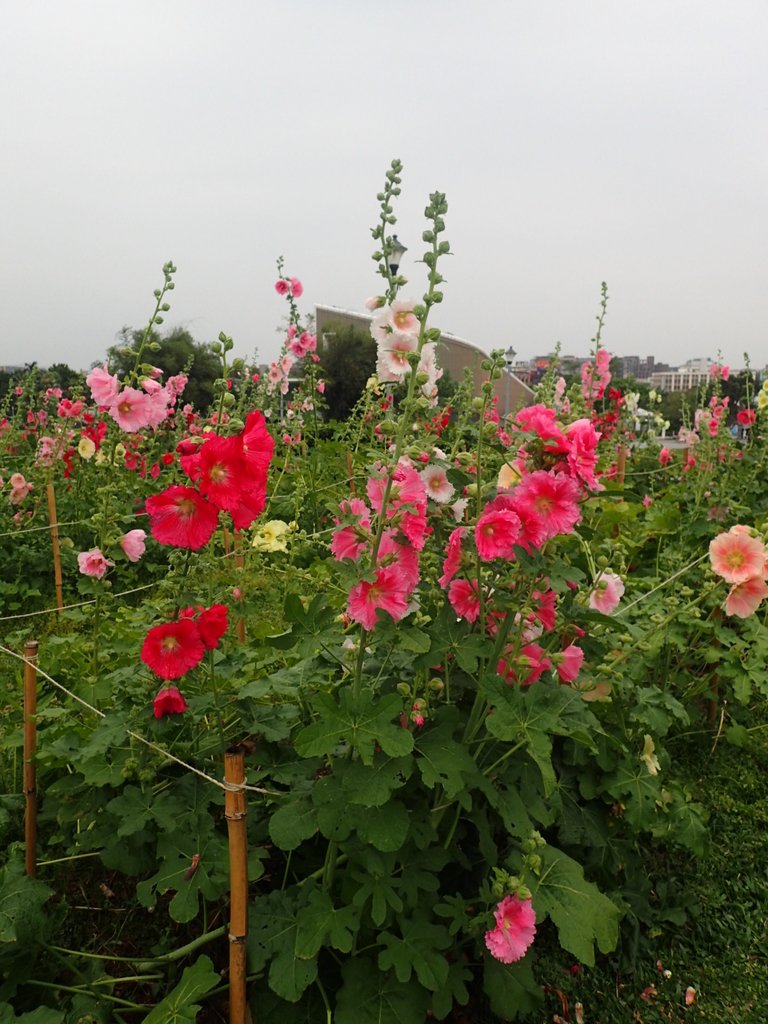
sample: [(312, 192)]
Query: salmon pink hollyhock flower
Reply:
[(133, 544), (552, 498), (737, 556), (496, 533), (745, 598), (392, 363), (607, 593), (387, 593), (665, 457), (173, 648), (104, 386), (465, 599), (212, 625), (514, 932), (568, 663), (181, 517), (93, 563), (169, 701), (131, 410)]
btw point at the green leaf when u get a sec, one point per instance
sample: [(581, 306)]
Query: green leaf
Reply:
[(384, 827), (368, 996), (453, 990), (511, 988), (21, 905), (292, 823), (180, 1006), (581, 913), (417, 951), (320, 920), (41, 1015), (373, 785), (289, 976), (444, 761), (363, 725)]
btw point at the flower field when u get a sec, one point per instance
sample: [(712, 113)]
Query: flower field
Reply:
[(370, 721)]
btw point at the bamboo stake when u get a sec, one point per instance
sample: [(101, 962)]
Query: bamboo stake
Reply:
[(55, 543), (30, 743), (234, 812), (239, 564), (621, 465)]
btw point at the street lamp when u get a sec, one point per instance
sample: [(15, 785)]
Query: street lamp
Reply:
[(509, 355), (396, 254)]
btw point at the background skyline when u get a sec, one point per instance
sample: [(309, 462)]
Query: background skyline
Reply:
[(575, 144)]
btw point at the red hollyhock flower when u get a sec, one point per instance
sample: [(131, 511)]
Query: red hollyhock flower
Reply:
[(172, 649), (169, 701), (181, 517), (251, 505), (212, 625), (258, 446)]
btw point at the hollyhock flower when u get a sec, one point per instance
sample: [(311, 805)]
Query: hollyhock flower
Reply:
[(452, 556), (514, 932), (133, 544), (296, 287), (176, 384), (158, 407), (93, 563), (20, 488), (282, 287), (553, 498), (404, 556), (496, 533), (131, 410), (86, 449), (173, 648), (272, 536), (465, 599), (212, 625), (542, 421), (459, 507), (258, 445), (438, 486), (746, 417), (665, 457), (395, 318), (607, 593), (68, 409), (251, 504), (648, 756), (387, 592), (745, 598), (181, 517), (582, 452), (544, 609), (104, 386), (509, 476), (169, 701), (568, 663), (736, 556), (392, 361), (219, 471)]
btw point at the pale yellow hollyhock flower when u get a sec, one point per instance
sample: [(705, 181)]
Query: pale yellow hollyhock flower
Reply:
[(508, 477), (86, 449), (272, 536), (765, 384), (762, 400), (648, 756)]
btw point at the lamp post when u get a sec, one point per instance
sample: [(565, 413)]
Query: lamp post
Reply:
[(396, 254), (509, 356)]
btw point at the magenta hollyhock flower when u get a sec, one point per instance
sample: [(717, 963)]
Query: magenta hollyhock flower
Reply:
[(297, 288), (131, 410), (452, 556), (514, 932), (282, 287), (93, 563), (745, 598), (404, 556), (104, 385), (387, 593), (542, 421), (133, 544), (496, 533), (737, 556), (553, 498), (181, 517), (169, 701), (465, 599), (607, 593), (173, 648), (665, 456), (582, 452), (568, 663)]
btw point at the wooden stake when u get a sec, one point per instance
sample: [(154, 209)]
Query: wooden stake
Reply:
[(55, 542), (234, 812), (621, 465), (30, 744), (239, 564)]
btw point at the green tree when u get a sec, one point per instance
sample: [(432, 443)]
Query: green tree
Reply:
[(349, 358), (178, 353)]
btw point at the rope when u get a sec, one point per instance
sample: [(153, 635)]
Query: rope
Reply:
[(35, 529), (226, 786)]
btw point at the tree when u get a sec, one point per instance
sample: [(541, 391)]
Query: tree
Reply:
[(178, 353), (349, 358)]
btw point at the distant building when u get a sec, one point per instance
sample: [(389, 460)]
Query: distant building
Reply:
[(678, 380), (453, 354)]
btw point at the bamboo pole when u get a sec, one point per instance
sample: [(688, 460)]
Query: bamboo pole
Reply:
[(55, 543), (234, 812), (239, 565), (621, 465), (30, 743)]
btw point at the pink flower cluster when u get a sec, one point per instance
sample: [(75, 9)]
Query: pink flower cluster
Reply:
[(741, 559), (595, 377), (289, 286), (713, 417), (396, 329), (133, 409), (20, 488)]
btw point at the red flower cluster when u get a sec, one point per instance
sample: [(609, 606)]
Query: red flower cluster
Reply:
[(172, 649), (229, 473)]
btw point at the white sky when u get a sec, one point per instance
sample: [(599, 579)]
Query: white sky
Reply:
[(576, 140)]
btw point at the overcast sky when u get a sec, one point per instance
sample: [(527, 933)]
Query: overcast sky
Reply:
[(577, 141)]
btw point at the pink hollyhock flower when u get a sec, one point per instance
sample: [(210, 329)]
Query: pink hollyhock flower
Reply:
[(131, 410), (665, 457), (737, 556), (282, 287), (568, 663), (173, 648), (746, 417), (392, 362), (496, 533), (93, 563), (297, 288), (133, 544), (745, 598), (607, 593), (181, 517), (514, 932), (452, 556), (398, 318), (104, 385), (20, 488), (69, 410), (542, 421), (404, 556), (544, 610), (438, 486), (169, 701), (552, 498), (582, 452), (387, 593), (374, 302), (526, 667), (465, 599)]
